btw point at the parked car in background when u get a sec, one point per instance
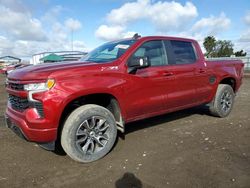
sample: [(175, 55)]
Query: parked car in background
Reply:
[(7, 69), (83, 104), (2, 70)]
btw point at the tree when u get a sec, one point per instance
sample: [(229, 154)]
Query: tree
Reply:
[(240, 53), (224, 48), (209, 44), (218, 48)]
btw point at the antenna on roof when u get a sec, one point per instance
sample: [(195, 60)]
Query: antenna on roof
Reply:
[(136, 36)]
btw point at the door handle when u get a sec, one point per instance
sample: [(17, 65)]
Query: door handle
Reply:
[(202, 71), (167, 74)]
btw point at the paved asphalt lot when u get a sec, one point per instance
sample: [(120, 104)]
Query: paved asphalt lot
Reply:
[(184, 149)]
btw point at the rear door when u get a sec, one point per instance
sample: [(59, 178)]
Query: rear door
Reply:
[(206, 79), (183, 62)]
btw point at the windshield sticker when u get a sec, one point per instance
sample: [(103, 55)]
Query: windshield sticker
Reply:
[(122, 46)]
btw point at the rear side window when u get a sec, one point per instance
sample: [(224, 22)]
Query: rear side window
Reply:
[(183, 52)]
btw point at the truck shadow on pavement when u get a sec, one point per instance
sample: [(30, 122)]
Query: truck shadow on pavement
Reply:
[(150, 122), (128, 180)]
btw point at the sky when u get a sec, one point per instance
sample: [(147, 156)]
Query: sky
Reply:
[(28, 27)]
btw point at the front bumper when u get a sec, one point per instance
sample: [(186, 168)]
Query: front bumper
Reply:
[(21, 127)]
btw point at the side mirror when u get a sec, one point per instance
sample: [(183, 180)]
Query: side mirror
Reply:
[(137, 63)]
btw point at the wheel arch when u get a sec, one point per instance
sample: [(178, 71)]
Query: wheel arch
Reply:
[(106, 100), (229, 81)]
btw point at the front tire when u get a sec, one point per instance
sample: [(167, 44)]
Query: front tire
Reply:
[(222, 104), (89, 133)]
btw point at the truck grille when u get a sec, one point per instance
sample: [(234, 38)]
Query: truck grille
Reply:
[(21, 104), (15, 86), (18, 103)]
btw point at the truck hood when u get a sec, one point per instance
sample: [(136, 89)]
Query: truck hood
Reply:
[(42, 71)]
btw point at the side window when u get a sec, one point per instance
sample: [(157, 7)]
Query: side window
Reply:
[(154, 51), (183, 52)]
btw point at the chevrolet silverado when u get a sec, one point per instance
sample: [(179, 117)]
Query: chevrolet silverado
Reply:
[(83, 104)]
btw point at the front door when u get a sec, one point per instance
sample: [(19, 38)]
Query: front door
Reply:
[(148, 94)]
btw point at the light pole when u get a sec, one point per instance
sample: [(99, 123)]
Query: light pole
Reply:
[(72, 40)]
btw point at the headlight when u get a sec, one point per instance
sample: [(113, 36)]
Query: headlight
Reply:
[(40, 86), (9, 71)]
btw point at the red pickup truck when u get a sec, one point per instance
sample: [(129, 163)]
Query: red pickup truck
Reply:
[(83, 104)]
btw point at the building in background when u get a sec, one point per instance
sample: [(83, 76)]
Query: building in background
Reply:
[(9, 60), (65, 55)]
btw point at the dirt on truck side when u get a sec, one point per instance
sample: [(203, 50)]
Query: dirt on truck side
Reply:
[(183, 149)]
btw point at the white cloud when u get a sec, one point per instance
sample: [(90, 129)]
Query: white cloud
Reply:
[(212, 25), (23, 35), (5, 45), (15, 5), (79, 45), (171, 16), (165, 16), (243, 43), (20, 25), (16, 48), (245, 37), (21, 48), (247, 18), (73, 24), (128, 12), (109, 32)]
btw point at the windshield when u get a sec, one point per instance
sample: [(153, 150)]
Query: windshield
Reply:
[(108, 52)]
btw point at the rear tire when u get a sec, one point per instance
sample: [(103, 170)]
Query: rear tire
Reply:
[(222, 104), (89, 133)]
